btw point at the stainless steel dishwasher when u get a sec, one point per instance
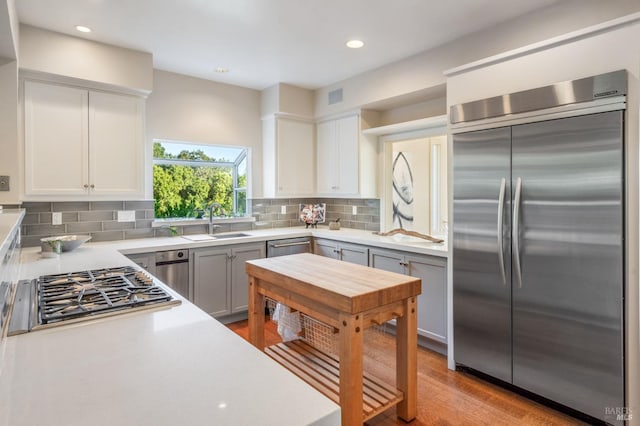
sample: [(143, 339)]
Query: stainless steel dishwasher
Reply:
[(288, 246), (172, 268)]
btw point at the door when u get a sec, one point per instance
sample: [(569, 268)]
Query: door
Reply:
[(432, 302), (239, 279), (568, 261), (116, 144), (387, 261), (354, 253), (481, 251), (56, 140), (295, 158), (211, 275), (326, 248), (327, 156), (347, 130)]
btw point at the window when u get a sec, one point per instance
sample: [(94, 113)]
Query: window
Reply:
[(189, 177)]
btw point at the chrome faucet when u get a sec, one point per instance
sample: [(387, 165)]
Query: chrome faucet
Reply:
[(212, 207)]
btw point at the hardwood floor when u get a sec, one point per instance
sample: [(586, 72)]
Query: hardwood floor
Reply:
[(445, 397)]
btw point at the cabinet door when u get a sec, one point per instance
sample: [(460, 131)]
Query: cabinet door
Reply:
[(211, 281), (295, 158), (347, 158), (338, 156), (327, 156), (432, 302), (386, 260), (354, 253), (239, 279), (326, 248), (116, 144), (56, 145)]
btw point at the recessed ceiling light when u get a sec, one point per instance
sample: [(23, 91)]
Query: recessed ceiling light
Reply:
[(83, 29), (355, 44), (222, 70)]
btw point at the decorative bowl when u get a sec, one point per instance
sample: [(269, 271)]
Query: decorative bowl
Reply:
[(68, 242)]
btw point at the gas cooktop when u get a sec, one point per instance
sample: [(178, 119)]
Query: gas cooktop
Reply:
[(78, 296)]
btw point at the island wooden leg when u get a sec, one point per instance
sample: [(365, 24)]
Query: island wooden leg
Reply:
[(256, 314), (350, 353), (407, 360)]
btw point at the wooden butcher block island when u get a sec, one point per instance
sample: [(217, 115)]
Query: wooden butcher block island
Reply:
[(349, 298)]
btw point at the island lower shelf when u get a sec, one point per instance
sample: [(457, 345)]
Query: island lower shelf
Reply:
[(322, 371)]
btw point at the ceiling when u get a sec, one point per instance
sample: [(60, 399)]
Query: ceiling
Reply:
[(265, 42)]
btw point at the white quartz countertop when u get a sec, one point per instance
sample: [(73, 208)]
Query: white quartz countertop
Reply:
[(8, 220), (168, 366), (175, 366), (160, 367), (397, 242)]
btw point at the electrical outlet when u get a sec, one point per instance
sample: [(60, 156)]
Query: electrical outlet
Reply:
[(56, 218), (354, 210), (126, 215), (283, 209), (4, 183)]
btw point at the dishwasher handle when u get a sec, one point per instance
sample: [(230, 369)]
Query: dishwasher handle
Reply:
[(302, 243), (171, 262)]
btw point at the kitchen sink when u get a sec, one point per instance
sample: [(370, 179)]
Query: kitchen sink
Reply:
[(225, 236), (211, 237)]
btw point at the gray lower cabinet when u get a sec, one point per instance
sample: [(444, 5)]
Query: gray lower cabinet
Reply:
[(432, 302), (220, 285), (146, 261), (353, 253)]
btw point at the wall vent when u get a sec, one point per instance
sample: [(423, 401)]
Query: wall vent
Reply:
[(335, 96)]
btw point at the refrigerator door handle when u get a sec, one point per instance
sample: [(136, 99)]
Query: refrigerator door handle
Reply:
[(503, 186), (516, 232)]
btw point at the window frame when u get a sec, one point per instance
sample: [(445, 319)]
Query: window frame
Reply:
[(233, 165)]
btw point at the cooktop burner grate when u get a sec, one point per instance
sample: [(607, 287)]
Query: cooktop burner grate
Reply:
[(88, 293)]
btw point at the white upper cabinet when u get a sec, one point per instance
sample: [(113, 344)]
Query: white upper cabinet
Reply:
[(116, 144), (289, 162), (82, 143), (56, 139), (345, 164)]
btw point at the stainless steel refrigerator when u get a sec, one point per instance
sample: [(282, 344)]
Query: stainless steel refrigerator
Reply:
[(538, 242)]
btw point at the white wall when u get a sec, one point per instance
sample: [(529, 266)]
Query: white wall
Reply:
[(429, 108), (296, 100), (425, 70), (9, 157), (63, 55), (285, 98), (8, 30), (599, 53), (190, 109)]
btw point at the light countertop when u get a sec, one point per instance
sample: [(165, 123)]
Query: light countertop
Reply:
[(174, 366), (396, 242), (167, 366), (8, 220)]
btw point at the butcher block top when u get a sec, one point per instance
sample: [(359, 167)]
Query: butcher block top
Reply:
[(344, 286)]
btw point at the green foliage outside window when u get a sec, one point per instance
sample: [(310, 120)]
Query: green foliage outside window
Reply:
[(182, 190)]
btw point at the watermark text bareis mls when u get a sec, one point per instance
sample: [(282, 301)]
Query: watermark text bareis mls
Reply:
[(619, 413)]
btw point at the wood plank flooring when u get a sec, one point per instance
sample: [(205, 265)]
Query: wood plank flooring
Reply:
[(445, 397)]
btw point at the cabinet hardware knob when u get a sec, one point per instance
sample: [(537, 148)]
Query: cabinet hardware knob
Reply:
[(86, 186), (92, 186)]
